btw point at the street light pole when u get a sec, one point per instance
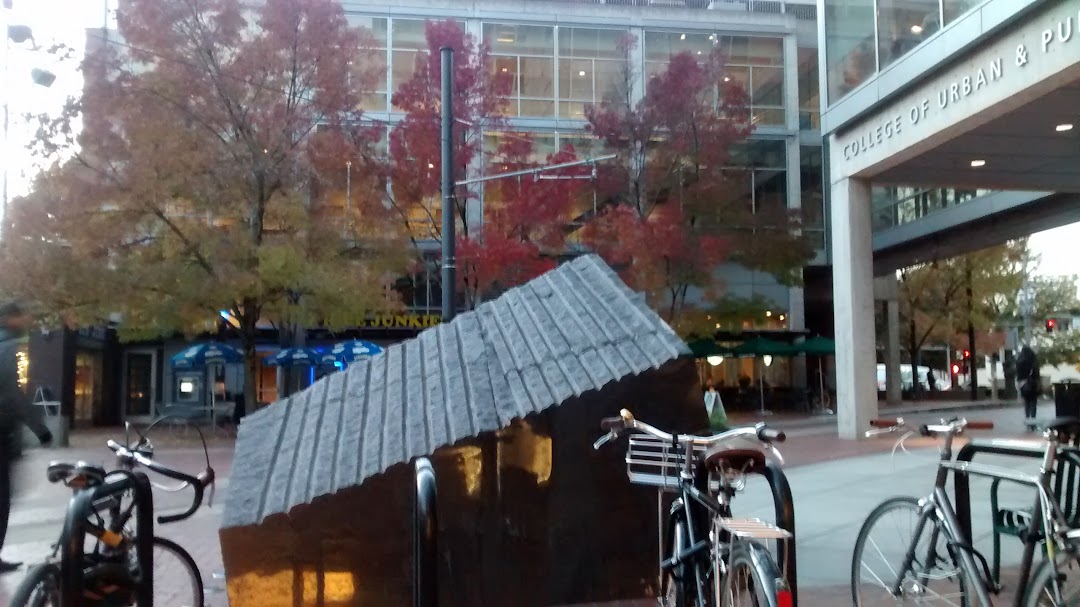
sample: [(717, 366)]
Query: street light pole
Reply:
[(449, 204), (348, 196)]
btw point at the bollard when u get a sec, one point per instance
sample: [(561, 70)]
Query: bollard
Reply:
[(425, 544)]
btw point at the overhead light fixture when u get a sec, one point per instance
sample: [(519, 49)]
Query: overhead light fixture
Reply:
[(430, 165), (504, 70), (782, 317), (581, 73), (1061, 128), (727, 78), (682, 37), (916, 29), (768, 313), (714, 360), (699, 52), (712, 37), (767, 359), (977, 163)]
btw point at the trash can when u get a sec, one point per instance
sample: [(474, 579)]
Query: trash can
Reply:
[(1067, 399)]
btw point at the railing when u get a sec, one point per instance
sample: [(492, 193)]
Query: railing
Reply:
[(891, 211), (801, 10)]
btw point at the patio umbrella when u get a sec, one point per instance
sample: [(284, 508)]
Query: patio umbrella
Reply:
[(761, 347), (290, 357), (352, 351), (703, 348), (207, 354)]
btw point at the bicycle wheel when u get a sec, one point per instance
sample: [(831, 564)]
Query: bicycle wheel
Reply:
[(1041, 589), (753, 579), (40, 588), (177, 580), (934, 577)]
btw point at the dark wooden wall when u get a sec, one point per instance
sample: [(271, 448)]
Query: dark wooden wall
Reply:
[(530, 515)]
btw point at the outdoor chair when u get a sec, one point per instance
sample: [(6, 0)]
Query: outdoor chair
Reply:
[(1009, 521)]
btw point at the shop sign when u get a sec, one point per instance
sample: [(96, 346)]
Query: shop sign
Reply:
[(403, 321), (1017, 54)]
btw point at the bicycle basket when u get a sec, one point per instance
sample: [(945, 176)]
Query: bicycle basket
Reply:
[(657, 463)]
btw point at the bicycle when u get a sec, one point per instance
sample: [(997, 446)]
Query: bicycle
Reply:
[(944, 569), (709, 559), (113, 573)]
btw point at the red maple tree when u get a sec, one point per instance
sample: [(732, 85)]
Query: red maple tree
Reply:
[(673, 213), (512, 235)]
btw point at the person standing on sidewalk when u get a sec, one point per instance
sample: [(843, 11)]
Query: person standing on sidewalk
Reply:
[(16, 410), (714, 407), (1027, 380)]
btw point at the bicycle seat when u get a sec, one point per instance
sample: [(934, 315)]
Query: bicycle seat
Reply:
[(78, 475), (719, 458)]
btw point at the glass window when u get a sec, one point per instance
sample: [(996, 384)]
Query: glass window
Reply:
[(903, 24), (528, 52), (756, 63), (372, 60), (812, 180), (849, 45), (760, 153), (408, 40), (955, 8), (590, 69), (809, 100)]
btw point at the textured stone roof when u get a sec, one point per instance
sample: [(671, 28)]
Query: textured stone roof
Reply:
[(572, 330)]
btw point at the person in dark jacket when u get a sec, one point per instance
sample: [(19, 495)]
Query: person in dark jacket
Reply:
[(1027, 377), (16, 410)]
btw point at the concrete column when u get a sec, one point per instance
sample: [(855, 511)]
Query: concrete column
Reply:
[(892, 352), (853, 301)]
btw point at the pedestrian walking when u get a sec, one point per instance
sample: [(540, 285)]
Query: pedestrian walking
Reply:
[(1027, 380), (714, 407), (16, 410)]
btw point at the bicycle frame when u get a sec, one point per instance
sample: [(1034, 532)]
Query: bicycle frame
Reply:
[(1047, 518)]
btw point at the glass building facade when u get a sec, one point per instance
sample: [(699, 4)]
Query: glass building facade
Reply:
[(560, 66)]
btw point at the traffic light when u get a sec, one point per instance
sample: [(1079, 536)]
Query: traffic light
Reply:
[(955, 369), (1050, 324), (967, 354)]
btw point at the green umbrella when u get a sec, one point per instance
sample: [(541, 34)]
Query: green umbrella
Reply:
[(817, 346), (702, 348), (761, 346)]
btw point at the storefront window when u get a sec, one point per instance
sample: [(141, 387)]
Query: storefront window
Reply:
[(22, 362), (88, 376), (849, 45), (754, 62), (526, 52), (373, 60), (590, 69), (809, 101), (903, 25)]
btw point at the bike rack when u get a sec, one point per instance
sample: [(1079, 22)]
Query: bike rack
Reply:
[(72, 538), (425, 537), (784, 506), (962, 485)]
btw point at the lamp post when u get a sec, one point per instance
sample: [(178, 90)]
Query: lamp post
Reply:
[(17, 34), (348, 196)]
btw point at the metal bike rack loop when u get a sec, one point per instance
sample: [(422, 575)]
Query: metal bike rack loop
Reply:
[(425, 537), (74, 534), (784, 506)]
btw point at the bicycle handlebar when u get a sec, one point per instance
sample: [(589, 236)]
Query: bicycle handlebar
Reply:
[(625, 421), (198, 482), (953, 427)]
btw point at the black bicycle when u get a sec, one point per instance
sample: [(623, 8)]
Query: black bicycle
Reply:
[(113, 512), (709, 559)]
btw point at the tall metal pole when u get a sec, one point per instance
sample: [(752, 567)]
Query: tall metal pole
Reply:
[(449, 205), (348, 196)]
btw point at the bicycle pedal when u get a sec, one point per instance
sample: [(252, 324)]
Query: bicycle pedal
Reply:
[(753, 528)]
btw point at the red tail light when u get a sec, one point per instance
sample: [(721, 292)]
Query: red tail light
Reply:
[(783, 599)]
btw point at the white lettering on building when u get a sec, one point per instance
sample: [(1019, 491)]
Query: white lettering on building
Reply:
[(886, 128)]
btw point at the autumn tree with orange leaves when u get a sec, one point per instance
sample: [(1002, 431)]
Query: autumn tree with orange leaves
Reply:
[(190, 187)]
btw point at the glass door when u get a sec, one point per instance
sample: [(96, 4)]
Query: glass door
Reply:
[(139, 388)]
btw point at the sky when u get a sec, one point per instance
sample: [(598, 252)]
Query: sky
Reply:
[(67, 20)]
